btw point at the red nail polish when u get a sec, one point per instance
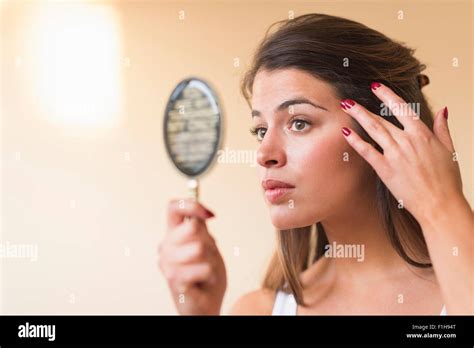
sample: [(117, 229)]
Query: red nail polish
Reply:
[(375, 85), (445, 112), (348, 103), (346, 131), (209, 213), (344, 106)]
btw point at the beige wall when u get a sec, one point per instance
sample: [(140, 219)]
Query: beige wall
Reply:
[(85, 176)]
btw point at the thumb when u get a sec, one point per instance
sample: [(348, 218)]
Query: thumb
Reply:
[(441, 129)]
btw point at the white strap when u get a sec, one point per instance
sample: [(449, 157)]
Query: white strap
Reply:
[(443, 311), (285, 304)]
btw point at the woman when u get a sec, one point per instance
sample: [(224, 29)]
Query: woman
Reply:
[(347, 143)]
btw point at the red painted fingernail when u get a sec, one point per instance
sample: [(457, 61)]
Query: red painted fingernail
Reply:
[(375, 85), (347, 104), (445, 112), (209, 213), (346, 131)]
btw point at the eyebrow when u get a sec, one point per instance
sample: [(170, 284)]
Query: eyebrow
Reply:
[(288, 103)]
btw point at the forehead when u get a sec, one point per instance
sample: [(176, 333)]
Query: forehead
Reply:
[(272, 87)]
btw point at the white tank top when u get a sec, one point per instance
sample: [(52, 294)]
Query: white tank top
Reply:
[(285, 304)]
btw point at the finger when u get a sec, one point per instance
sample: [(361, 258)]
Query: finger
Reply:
[(365, 150), (190, 231), (187, 231), (178, 210), (398, 107), (379, 129), (194, 252), (189, 275), (191, 253), (441, 129)]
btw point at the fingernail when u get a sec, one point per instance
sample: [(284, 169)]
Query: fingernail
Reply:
[(346, 131), (375, 85), (445, 112), (209, 213), (346, 104)]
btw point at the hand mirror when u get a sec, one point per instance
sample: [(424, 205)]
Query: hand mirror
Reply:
[(192, 129)]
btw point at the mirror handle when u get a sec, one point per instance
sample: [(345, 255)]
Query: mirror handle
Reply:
[(193, 189)]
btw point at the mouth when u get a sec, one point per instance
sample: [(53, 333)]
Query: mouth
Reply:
[(276, 190)]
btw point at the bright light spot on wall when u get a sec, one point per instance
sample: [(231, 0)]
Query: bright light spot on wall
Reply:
[(78, 56)]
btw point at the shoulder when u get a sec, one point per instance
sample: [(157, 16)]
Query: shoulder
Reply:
[(257, 302)]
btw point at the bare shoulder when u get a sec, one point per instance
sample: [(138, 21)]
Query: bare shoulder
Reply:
[(257, 302)]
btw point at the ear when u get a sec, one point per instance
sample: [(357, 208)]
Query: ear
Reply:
[(441, 129)]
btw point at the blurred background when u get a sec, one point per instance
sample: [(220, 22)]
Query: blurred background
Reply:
[(85, 178)]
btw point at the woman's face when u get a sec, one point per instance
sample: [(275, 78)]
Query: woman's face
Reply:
[(298, 122)]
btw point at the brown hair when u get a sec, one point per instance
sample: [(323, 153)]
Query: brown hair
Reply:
[(349, 56)]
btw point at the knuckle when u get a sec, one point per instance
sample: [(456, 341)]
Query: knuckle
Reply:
[(194, 223), (170, 209), (189, 203), (163, 261), (425, 137), (199, 249), (170, 274), (373, 125), (162, 255), (406, 146), (172, 204), (192, 228), (175, 204), (364, 149), (203, 270), (403, 141), (208, 269), (400, 157)]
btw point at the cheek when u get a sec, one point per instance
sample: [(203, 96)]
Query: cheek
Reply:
[(322, 159), (328, 172)]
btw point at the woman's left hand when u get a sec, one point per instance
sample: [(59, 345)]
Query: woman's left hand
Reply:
[(420, 169), (418, 166)]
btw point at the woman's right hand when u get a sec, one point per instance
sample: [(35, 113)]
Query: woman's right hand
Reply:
[(190, 261)]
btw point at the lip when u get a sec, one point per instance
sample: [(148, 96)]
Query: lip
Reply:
[(275, 190)]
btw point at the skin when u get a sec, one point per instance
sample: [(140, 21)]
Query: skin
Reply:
[(309, 158), (190, 260), (341, 195)]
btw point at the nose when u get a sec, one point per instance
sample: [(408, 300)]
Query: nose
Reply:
[(271, 152)]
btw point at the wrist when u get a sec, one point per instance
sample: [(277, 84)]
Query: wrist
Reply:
[(445, 213)]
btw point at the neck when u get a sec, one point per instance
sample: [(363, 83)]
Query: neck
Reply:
[(358, 243)]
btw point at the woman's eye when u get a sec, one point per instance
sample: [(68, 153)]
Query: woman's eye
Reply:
[(299, 125), (296, 125), (259, 132)]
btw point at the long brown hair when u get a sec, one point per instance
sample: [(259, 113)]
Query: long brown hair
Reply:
[(349, 56)]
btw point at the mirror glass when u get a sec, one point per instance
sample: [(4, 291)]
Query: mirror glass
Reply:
[(192, 126)]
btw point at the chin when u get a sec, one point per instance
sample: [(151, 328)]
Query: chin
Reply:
[(285, 219)]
